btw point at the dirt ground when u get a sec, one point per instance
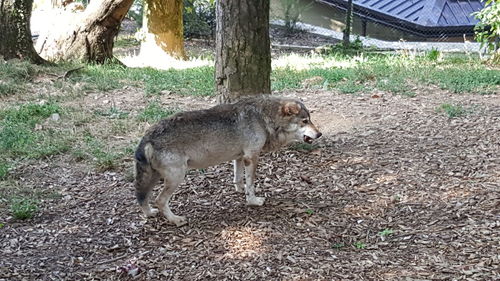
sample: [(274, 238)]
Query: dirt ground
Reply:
[(385, 162)]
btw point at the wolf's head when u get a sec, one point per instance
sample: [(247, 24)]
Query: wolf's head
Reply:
[(298, 122)]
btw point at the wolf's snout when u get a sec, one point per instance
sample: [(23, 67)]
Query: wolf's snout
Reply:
[(319, 134)]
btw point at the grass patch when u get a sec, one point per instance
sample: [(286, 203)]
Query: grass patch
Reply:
[(23, 208), (103, 157), (387, 72), (19, 136), (338, 245), (112, 113), (154, 112), (386, 232), (4, 169), (350, 87), (126, 42), (360, 245), (452, 110), (198, 81), (15, 75)]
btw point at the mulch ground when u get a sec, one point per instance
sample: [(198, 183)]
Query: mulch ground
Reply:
[(386, 162)]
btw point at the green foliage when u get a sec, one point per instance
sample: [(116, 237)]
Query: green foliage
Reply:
[(433, 55), (104, 158), (154, 113), (354, 47), (386, 232), (488, 28), (30, 113), (388, 72), (18, 136), (463, 80), (199, 18), (452, 110), (360, 245), (310, 212), (193, 81), (338, 245), (136, 12), (126, 42), (13, 76), (23, 208), (4, 169), (350, 87), (292, 9)]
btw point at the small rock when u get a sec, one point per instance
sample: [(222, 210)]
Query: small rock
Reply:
[(55, 117)]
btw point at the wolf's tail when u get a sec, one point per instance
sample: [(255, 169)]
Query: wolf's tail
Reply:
[(145, 176)]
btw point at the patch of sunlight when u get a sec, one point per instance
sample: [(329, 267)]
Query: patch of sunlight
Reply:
[(242, 242), (305, 62), (160, 60)]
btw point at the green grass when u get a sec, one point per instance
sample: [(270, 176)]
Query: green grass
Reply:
[(387, 72), (452, 110), (126, 42), (22, 135), (15, 76), (23, 208), (154, 112), (386, 232), (103, 157), (19, 136), (4, 169), (112, 113), (360, 245), (198, 81), (338, 245)]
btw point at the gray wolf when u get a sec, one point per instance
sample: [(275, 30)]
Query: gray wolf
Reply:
[(202, 138)]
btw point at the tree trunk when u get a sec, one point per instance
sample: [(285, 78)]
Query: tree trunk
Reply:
[(163, 28), (15, 32), (90, 37), (348, 24), (242, 51)]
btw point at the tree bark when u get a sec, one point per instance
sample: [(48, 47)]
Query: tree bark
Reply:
[(163, 28), (90, 38), (348, 24), (15, 32), (242, 52)]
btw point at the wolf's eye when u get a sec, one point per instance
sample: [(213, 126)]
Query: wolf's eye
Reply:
[(305, 121)]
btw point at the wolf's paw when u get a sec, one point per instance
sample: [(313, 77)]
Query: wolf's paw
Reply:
[(152, 213), (255, 201), (178, 220)]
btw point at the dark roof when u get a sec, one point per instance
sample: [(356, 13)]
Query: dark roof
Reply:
[(421, 17)]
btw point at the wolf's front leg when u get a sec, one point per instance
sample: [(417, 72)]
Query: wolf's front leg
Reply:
[(238, 175), (172, 177), (250, 168)]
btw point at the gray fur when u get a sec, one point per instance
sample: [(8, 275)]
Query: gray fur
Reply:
[(203, 138)]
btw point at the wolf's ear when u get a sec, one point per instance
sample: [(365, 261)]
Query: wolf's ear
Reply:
[(290, 108)]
